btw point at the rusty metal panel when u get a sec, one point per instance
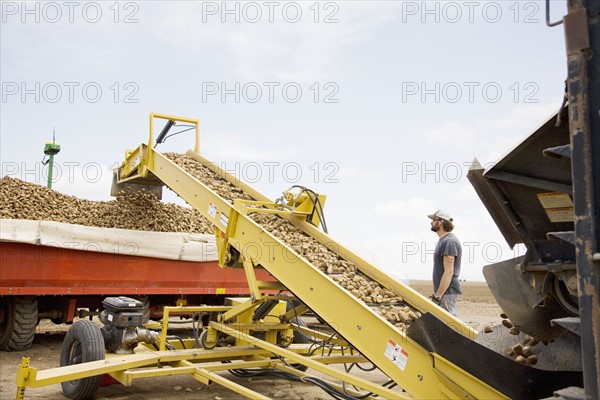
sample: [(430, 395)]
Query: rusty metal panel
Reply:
[(584, 119)]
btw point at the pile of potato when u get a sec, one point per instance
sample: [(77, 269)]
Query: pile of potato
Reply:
[(201, 172), (401, 317), (343, 272), (131, 210)]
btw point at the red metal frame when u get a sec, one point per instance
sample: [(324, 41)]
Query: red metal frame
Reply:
[(27, 269)]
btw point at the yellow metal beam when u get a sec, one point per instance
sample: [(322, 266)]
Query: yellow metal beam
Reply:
[(354, 380), (270, 285), (131, 167), (295, 312), (266, 363), (451, 390), (123, 367), (201, 355), (251, 278), (340, 359), (241, 308), (202, 375), (85, 370), (126, 377), (25, 374)]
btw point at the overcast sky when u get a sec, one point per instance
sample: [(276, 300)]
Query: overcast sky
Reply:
[(381, 105)]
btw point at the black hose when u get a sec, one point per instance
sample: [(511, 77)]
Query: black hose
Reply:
[(330, 390), (317, 206), (178, 338)]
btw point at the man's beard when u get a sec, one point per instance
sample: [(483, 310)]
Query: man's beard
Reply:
[(435, 228)]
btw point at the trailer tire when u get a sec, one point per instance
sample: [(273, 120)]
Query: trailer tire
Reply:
[(21, 318), (83, 343), (299, 337)]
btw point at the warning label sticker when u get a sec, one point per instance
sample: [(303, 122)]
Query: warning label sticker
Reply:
[(560, 214), (396, 354), (212, 210), (558, 206), (223, 219), (555, 200)]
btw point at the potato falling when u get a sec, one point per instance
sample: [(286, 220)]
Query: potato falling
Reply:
[(523, 352)]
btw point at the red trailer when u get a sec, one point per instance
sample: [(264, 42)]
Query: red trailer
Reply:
[(55, 271)]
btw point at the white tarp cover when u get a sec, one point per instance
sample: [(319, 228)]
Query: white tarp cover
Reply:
[(167, 245)]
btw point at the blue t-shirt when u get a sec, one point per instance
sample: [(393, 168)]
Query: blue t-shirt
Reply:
[(448, 245)]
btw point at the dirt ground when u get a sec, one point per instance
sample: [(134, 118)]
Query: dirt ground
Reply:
[(476, 308)]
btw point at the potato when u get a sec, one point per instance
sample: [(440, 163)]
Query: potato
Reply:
[(532, 360), (507, 323), (517, 349)]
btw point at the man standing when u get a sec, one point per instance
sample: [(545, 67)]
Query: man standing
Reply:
[(446, 262)]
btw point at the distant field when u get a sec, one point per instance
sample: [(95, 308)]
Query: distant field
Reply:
[(476, 306), (477, 292)]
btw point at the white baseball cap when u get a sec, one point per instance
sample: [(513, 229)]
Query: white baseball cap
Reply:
[(443, 214)]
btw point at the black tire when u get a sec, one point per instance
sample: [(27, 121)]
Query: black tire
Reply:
[(20, 319), (299, 337), (83, 343)]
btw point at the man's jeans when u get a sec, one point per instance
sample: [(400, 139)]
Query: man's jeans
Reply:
[(448, 303)]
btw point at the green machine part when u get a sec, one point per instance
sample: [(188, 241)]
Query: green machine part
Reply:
[(50, 149)]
